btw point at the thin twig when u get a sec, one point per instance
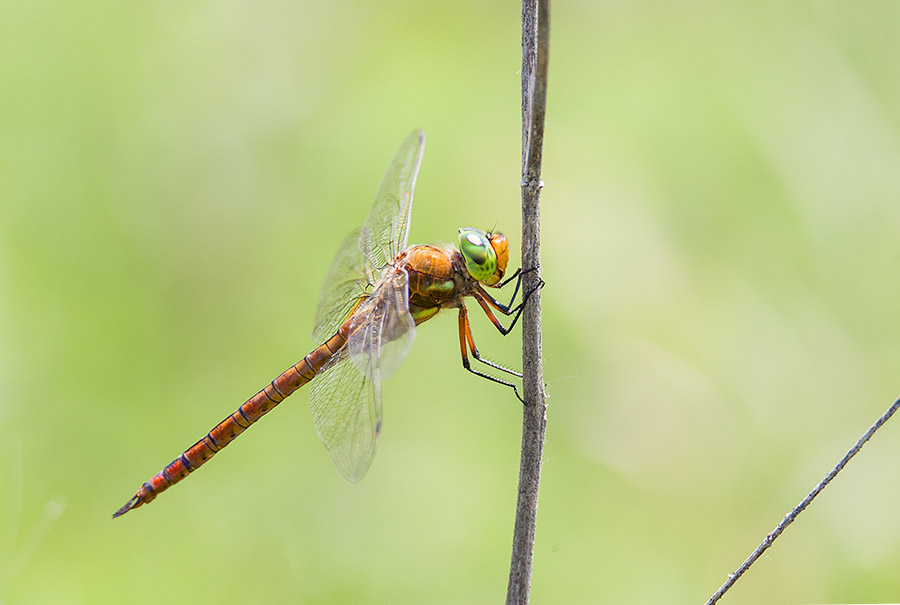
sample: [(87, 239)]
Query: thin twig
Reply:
[(535, 43), (791, 516)]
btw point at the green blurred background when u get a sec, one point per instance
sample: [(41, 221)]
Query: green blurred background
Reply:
[(721, 251)]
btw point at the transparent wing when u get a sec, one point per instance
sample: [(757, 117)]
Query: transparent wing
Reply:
[(345, 404), (367, 250), (345, 396), (386, 230), (388, 331), (344, 284)]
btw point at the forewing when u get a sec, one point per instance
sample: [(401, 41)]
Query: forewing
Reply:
[(345, 396), (386, 230), (344, 284)]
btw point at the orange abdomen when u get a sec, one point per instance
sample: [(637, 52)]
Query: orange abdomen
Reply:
[(243, 418)]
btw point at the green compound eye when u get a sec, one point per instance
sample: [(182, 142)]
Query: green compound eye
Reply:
[(481, 260)]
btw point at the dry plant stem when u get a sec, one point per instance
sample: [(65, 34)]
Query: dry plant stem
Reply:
[(791, 516), (535, 42)]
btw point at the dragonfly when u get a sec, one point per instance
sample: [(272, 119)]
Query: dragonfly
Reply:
[(377, 290)]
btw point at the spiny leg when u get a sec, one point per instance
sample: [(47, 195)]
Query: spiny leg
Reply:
[(476, 355), (486, 302), (466, 342)]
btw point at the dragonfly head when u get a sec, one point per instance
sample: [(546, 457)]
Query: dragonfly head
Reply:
[(486, 254)]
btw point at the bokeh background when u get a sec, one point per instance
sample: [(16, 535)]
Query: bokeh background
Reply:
[(721, 251)]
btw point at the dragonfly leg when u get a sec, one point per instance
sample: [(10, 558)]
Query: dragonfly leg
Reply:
[(515, 276), (487, 301), (466, 342), (471, 342)]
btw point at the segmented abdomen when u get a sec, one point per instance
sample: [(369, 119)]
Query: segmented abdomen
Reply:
[(227, 431)]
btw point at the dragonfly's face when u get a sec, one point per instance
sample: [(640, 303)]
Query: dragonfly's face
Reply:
[(486, 254)]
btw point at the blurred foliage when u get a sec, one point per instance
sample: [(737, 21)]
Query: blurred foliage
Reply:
[(720, 232)]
